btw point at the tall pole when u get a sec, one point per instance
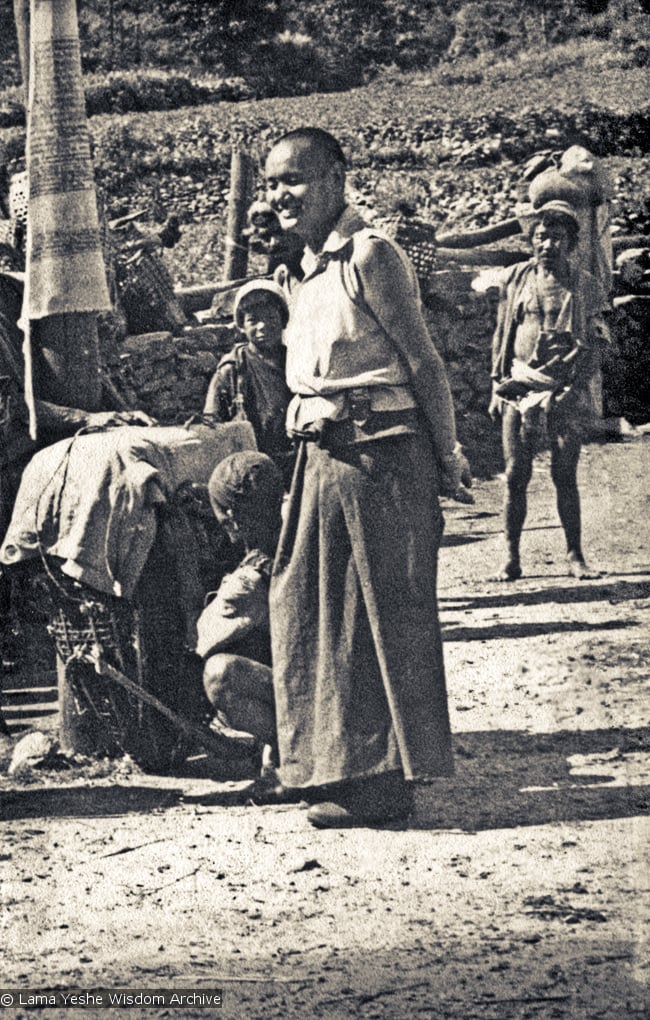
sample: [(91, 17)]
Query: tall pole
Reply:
[(65, 283), (66, 278), (241, 179)]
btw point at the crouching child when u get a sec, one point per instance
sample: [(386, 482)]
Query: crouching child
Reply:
[(246, 491)]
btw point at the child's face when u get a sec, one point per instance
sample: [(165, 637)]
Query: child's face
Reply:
[(261, 319), (266, 223)]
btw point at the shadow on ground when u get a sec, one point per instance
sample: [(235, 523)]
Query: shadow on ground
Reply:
[(84, 801), (525, 630), (613, 592), (503, 779), (509, 778)]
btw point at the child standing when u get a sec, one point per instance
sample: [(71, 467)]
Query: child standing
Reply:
[(250, 380)]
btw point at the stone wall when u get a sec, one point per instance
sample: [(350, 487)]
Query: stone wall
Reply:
[(168, 375), (626, 365), (461, 323)]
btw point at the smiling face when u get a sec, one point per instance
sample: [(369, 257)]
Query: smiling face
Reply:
[(305, 189)]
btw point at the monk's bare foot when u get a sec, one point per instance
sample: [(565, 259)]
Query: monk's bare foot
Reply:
[(576, 567), (510, 571)]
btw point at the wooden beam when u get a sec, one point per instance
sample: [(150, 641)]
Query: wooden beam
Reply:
[(484, 257), (474, 238), (204, 736)]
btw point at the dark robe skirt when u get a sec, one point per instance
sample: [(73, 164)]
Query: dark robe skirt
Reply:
[(357, 654)]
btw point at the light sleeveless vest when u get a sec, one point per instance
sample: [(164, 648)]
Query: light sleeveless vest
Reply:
[(333, 341)]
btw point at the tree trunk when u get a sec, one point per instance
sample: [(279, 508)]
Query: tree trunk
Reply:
[(68, 360)]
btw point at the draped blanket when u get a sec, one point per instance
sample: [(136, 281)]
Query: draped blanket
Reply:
[(65, 268), (90, 501)]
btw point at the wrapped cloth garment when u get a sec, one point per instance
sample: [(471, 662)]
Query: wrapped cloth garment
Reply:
[(581, 319), (91, 500), (249, 387), (236, 619), (233, 637), (532, 392), (357, 653)]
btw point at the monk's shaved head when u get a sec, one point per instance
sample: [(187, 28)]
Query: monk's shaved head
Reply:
[(322, 142)]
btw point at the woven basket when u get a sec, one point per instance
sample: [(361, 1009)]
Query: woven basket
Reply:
[(77, 633), (18, 197), (145, 638), (85, 625), (418, 240), (147, 295)]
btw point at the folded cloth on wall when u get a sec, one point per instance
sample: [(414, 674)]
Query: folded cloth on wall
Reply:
[(90, 501)]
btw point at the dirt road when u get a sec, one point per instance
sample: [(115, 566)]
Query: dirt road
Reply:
[(519, 889)]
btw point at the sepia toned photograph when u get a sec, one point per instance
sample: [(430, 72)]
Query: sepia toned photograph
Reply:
[(324, 509)]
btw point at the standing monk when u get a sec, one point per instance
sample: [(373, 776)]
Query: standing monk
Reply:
[(544, 353), (357, 658)]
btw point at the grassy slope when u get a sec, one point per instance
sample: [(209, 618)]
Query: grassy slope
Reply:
[(391, 130), (566, 77), (402, 134)]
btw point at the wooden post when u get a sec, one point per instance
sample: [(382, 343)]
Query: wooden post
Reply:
[(241, 174), (475, 238)]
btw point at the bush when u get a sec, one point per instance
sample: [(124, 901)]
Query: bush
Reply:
[(485, 27), (129, 91), (140, 92), (291, 64)]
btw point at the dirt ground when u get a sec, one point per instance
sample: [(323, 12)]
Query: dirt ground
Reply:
[(519, 889)]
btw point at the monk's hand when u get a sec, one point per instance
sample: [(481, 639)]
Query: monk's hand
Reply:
[(456, 476)]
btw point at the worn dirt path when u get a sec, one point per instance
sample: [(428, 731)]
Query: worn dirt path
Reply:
[(520, 888)]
